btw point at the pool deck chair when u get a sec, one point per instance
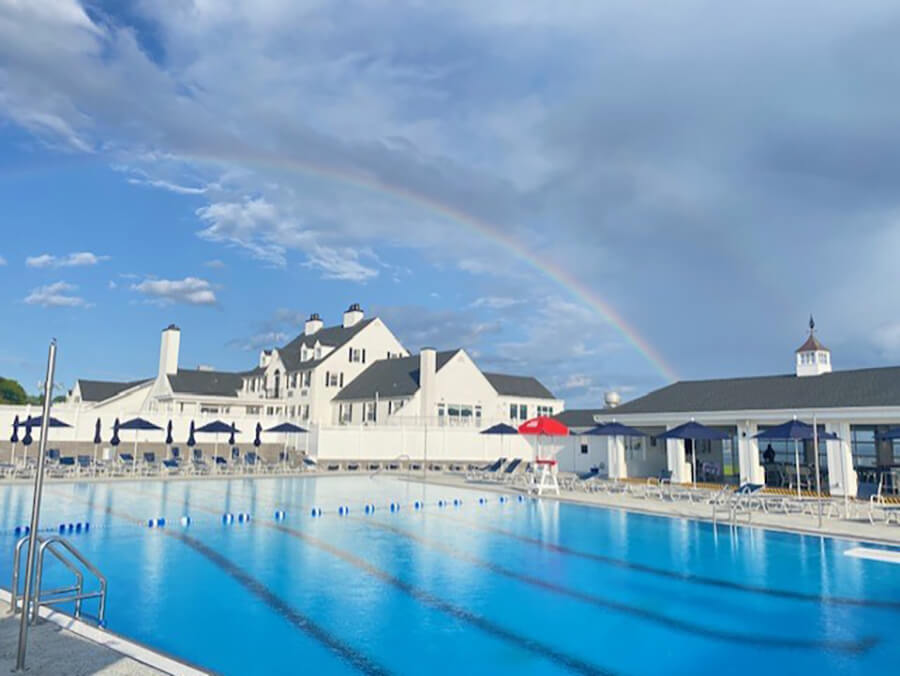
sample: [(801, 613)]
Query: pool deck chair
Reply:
[(878, 502), (508, 475), (482, 473)]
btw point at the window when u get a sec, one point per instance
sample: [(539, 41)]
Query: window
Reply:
[(208, 408), (523, 412), (345, 413), (253, 410), (334, 379), (318, 352), (305, 414), (584, 449), (442, 411), (513, 412), (863, 445), (370, 411), (357, 355), (478, 415), (545, 410), (307, 378)]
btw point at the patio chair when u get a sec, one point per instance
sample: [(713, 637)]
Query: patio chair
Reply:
[(84, 464), (481, 473), (125, 463), (310, 465), (888, 505), (149, 466), (198, 464)]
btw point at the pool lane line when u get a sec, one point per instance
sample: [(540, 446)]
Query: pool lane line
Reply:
[(674, 575), (343, 651), (843, 646), (846, 646), (424, 597)]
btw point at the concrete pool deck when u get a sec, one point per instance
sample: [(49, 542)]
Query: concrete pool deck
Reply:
[(60, 645), (850, 529)]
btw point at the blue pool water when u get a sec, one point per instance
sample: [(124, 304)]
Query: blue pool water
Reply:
[(537, 587)]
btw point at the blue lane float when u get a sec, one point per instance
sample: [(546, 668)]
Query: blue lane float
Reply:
[(395, 506), (279, 515), (417, 504), (482, 501), (153, 523), (457, 502), (441, 503), (370, 509), (22, 530), (228, 518), (343, 510), (316, 511), (521, 498), (185, 521), (502, 498)]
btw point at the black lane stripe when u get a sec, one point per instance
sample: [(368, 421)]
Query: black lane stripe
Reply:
[(848, 646), (845, 646), (533, 646), (346, 653), (674, 575)]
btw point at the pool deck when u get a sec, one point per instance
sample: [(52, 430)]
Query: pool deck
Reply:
[(59, 645), (855, 529)]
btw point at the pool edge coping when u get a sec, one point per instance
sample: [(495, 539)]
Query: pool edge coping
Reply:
[(127, 647)]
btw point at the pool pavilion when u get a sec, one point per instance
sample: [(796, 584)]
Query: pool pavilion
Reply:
[(856, 405)]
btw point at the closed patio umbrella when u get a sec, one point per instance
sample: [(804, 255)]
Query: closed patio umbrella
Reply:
[(14, 439), (137, 424), (614, 430), (97, 441), (695, 432)]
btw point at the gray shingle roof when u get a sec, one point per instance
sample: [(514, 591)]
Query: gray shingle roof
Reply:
[(852, 388), (332, 336), (211, 383), (100, 390), (518, 386), (580, 417), (389, 378)]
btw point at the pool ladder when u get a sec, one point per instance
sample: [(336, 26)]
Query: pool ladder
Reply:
[(66, 553)]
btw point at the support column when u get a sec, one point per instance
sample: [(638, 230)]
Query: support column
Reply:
[(749, 467), (675, 460), (615, 453), (841, 475)]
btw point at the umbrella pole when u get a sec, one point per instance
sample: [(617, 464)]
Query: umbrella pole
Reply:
[(94, 466), (12, 455), (694, 461), (134, 455), (797, 465), (216, 454), (818, 478)]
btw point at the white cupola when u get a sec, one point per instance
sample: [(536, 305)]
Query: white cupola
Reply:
[(813, 358)]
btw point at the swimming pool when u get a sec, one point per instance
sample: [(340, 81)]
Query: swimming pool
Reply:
[(538, 587)]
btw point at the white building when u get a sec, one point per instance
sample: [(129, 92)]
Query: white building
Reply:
[(854, 404), (356, 372)]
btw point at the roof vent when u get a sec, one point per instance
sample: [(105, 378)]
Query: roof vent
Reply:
[(315, 317), (612, 399)]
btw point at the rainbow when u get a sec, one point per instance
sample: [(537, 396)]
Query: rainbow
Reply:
[(489, 231)]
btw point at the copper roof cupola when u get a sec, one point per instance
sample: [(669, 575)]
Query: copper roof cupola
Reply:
[(812, 358)]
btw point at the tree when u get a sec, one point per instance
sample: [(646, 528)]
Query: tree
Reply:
[(11, 392)]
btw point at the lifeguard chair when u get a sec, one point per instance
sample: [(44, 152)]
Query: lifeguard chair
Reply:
[(543, 426)]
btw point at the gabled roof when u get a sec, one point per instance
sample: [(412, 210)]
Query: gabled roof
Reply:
[(332, 336), (838, 389), (101, 390), (389, 378), (211, 383), (518, 386), (579, 417)]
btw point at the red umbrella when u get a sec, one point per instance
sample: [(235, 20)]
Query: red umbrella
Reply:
[(544, 426)]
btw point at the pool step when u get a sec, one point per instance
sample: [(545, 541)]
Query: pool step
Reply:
[(886, 555)]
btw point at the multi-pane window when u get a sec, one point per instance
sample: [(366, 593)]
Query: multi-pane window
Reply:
[(334, 379), (513, 412), (584, 449), (345, 413), (523, 412), (370, 411), (307, 378), (862, 441), (545, 410), (357, 355)]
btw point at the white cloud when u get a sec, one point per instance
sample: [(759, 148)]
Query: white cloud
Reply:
[(76, 259), (339, 264), (260, 341), (190, 290), (55, 295), (2, 260), (887, 339), (215, 264), (496, 302), (112, 284)]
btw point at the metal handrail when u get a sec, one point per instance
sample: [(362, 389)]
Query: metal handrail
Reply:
[(75, 593)]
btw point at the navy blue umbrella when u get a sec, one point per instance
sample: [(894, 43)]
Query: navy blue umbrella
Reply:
[(217, 427), (169, 434), (797, 431), (191, 442), (614, 429), (26, 440), (695, 432), (500, 428), (114, 439), (54, 422), (97, 440), (257, 441), (137, 424), (14, 439), (286, 428), (231, 436)]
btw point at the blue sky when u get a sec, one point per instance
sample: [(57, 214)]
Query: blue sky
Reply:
[(714, 174)]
